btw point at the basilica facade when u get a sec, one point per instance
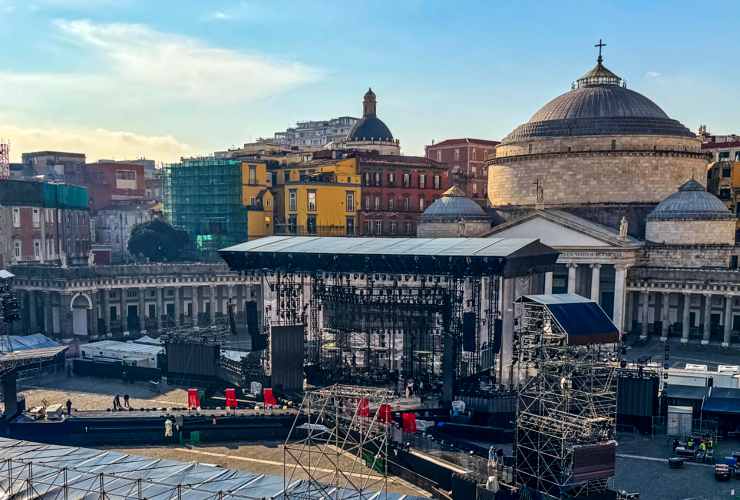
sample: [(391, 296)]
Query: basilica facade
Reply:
[(605, 176)]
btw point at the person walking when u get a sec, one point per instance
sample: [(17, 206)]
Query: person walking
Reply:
[(125, 402), (69, 407), (116, 402)]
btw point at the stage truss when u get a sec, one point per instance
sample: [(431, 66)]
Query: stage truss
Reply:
[(566, 411), (339, 442), (379, 329)]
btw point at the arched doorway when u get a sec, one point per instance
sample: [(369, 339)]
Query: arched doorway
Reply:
[(80, 305)]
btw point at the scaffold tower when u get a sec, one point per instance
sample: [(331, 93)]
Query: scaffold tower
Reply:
[(566, 413)]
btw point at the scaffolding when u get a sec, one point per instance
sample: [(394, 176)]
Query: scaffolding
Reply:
[(203, 196), (566, 412), (4, 160), (339, 440)]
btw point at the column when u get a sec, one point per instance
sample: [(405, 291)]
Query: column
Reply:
[(196, 310), (645, 314), (124, 311), (178, 305), (620, 290), (32, 309), (212, 309), (595, 282), (572, 278), (48, 320), (548, 283), (106, 308), (142, 311), (160, 307), (707, 319), (507, 331), (686, 318), (728, 321), (665, 303)]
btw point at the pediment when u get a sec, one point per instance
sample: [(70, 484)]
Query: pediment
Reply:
[(553, 233)]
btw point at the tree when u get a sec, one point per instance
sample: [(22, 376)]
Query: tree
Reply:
[(158, 241)]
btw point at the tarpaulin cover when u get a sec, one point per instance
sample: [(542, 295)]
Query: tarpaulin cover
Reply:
[(582, 319), (384, 413), (100, 473), (33, 341), (363, 407), (722, 400)]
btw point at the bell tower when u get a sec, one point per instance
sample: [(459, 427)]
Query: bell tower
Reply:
[(369, 103)]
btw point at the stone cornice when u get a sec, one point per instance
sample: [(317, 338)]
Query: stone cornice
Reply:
[(586, 154)]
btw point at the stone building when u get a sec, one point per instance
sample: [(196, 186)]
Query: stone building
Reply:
[(315, 134), (370, 133), (454, 215), (603, 175), (466, 162), (93, 302), (113, 227)]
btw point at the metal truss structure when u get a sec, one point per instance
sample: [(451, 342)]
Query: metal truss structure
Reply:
[(566, 411), (339, 444), (374, 329)]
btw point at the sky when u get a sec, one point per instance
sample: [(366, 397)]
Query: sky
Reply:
[(160, 79)]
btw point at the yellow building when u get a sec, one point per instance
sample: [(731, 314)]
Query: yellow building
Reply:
[(258, 198), (319, 197), (723, 180)]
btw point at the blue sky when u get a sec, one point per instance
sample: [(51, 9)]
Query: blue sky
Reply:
[(161, 78)]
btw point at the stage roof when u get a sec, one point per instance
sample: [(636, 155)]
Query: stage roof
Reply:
[(446, 256), (723, 400), (582, 319), (130, 476)]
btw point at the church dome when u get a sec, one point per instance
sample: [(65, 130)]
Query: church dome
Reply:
[(599, 104), (691, 202), (370, 127), (453, 206)]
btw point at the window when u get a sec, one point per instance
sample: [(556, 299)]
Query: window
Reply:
[(475, 172), (377, 202), (391, 178), (405, 202), (439, 155), (408, 227), (394, 227), (350, 202), (391, 203), (377, 179), (422, 181), (475, 188), (292, 200), (436, 182), (311, 223), (17, 249), (474, 153), (737, 155), (614, 144), (350, 226), (366, 179), (368, 227), (406, 180), (726, 171), (16, 217), (367, 202), (378, 227), (252, 174), (724, 155), (724, 193), (151, 311), (286, 176), (457, 154), (37, 249), (292, 223), (421, 203)]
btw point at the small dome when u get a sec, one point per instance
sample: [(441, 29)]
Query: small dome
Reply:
[(454, 205), (691, 202), (370, 128)]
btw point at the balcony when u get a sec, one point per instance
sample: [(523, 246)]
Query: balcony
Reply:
[(293, 230)]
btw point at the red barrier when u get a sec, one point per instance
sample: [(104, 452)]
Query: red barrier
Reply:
[(363, 408), (384, 413), (268, 397), (231, 398), (409, 422), (193, 399)]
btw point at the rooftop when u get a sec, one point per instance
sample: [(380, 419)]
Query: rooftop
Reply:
[(691, 202), (463, 140)]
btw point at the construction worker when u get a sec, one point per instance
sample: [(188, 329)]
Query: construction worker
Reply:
[(690, 443)]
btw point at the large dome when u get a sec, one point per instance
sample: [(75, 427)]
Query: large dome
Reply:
[(598, 105), (691, 202)]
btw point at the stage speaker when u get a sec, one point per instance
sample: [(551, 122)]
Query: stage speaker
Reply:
[(469, 332), (251, 313), (498, 326)]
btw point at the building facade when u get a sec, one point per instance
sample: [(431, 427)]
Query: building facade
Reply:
[(109, 183), (44, 222), (466, 163), (54, 165), (395, 192), (315, 134), (113, 225), (115, 301), (721, 147)]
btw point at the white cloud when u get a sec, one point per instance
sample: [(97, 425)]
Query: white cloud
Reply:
[(652, 74), (95, 143), (218, 15)]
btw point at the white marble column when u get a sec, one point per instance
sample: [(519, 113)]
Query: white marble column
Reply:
[(707, 319), (142, 310), (548, 283), (728, 321), (595, 282), (686, 318), (665, 304), (644, 314), (620, 291), (572, 268)]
